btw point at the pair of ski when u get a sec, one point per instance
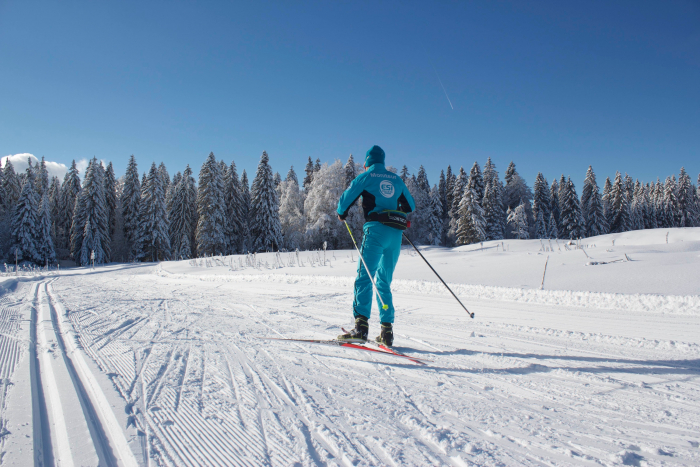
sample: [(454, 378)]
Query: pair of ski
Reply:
[(355, 344)]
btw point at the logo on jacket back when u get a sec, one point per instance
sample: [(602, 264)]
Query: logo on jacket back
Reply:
[(386, 189)]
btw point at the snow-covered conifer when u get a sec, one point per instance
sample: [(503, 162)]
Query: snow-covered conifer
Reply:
[(493, 211), (41, 178), (317, 166), (25, 223), (476, 182), (570, 216), (541, 204), (131, 201), (434, 218), (181, 216), (442, 187), (292, 219), (422, 180), (471, 223), (350, 172), (592, 210), (292, 175), (245, 200), (517, 222), (457, 193), (55, 208), (620, 216), (234, 213), (111, 203), (265, 228), (637, 208), (44, 242), (687, 209), (309, 170), (95, 207), (211, 209), (554, 203), (277, 179), (510, 171), (153, 234), (650, 219), (319, 208), (11, 187)]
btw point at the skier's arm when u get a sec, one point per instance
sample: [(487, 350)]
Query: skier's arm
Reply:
[(349, 197), (406, 203)]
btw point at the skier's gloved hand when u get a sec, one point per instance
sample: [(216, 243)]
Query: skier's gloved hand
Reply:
[(341, 218)]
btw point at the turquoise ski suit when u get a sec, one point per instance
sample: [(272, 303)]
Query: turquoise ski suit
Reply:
[(380, 190)]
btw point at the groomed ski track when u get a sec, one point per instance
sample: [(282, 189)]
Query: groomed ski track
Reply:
[(72, 424), (519, 386)]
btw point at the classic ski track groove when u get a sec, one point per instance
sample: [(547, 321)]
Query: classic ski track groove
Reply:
[(276, 403)]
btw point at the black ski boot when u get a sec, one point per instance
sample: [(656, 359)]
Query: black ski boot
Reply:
[(386, 337), (359, 334)]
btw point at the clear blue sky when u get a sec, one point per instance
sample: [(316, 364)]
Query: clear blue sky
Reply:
[(553, 86)]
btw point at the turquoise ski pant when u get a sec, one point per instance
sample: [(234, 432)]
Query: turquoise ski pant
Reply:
[(380, 248)]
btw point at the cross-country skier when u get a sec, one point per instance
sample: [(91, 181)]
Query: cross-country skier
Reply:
[(385, 202)]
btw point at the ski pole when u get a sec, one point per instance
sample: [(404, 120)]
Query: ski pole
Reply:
[(384, 306), (443, 282)]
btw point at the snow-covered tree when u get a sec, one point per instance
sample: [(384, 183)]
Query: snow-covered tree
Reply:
[(554, 204), (25, 223), (277, 179), (592, 207), (620, 216), (419, 231), (350, 171), (494, 214), (211, 209), (687, 204), (405, 176), (457, 193), (292, 175), (476, 182), (517, 222), (11, 187), (471, 223), (434, 218), (44, 242), (182, 216), (607, 202), (111, 203), (570, 216), (90, 229), (309, 171), (234, 209), (320, 206), (153, 242), (637, 208), (131, 202), (265, 228), (55, 208), (541, 206), (292, 218), (670, 202), (41, 178), (246, 242)]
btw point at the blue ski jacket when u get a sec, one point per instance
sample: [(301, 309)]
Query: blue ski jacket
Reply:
[(380, 189)]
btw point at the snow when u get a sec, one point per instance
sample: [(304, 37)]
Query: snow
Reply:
[(597, 366)]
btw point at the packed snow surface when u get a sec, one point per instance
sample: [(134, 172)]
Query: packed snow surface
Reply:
[(166, 364)]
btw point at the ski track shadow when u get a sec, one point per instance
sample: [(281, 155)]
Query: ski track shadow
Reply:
[(641, 367)]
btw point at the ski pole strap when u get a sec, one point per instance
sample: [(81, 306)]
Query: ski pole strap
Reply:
[(395, 219), (471, 315)]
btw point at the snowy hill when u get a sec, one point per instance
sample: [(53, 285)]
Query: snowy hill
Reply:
[(163, 363)]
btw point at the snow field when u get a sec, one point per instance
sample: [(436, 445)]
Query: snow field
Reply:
[(539, 377)]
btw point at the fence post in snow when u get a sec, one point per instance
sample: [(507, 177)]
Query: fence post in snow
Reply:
[(544, 273)]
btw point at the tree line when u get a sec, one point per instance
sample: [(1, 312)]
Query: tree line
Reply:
[(154, 217)]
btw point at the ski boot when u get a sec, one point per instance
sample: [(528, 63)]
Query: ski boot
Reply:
[(359, 334), (386, 337)]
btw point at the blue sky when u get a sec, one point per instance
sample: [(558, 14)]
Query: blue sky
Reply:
[(553, 86)]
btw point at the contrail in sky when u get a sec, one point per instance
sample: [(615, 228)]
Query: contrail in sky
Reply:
[(443, 88)]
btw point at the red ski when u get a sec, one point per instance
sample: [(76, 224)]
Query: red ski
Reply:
[(353, 345)]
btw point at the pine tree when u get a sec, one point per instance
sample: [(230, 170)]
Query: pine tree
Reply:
[(45, 249), (164, 176), (435, 223), (111, 205), (510, 172), (317, 165), (571, 220), (607, 202), (687, 208), (11, 187), (55, 209), (277, 179), (265, 226), (181, 216), (457, 192), (211, 205), (41, 178), (650, 219), (476, 182), (245, 199), (153, 233), (442, 191), (292, 175), (96, 214), (471, 221), (671, 202), (637, 208), (554, 204), (620, 219), (541, 206), (131, 201), (291, 210), (517, 222), (628, 185), (350, 172), (661, 218), (594, 221), (309, 170), (493, 211), (24, 223), (234, 219), (404, 174), (77, 229)]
